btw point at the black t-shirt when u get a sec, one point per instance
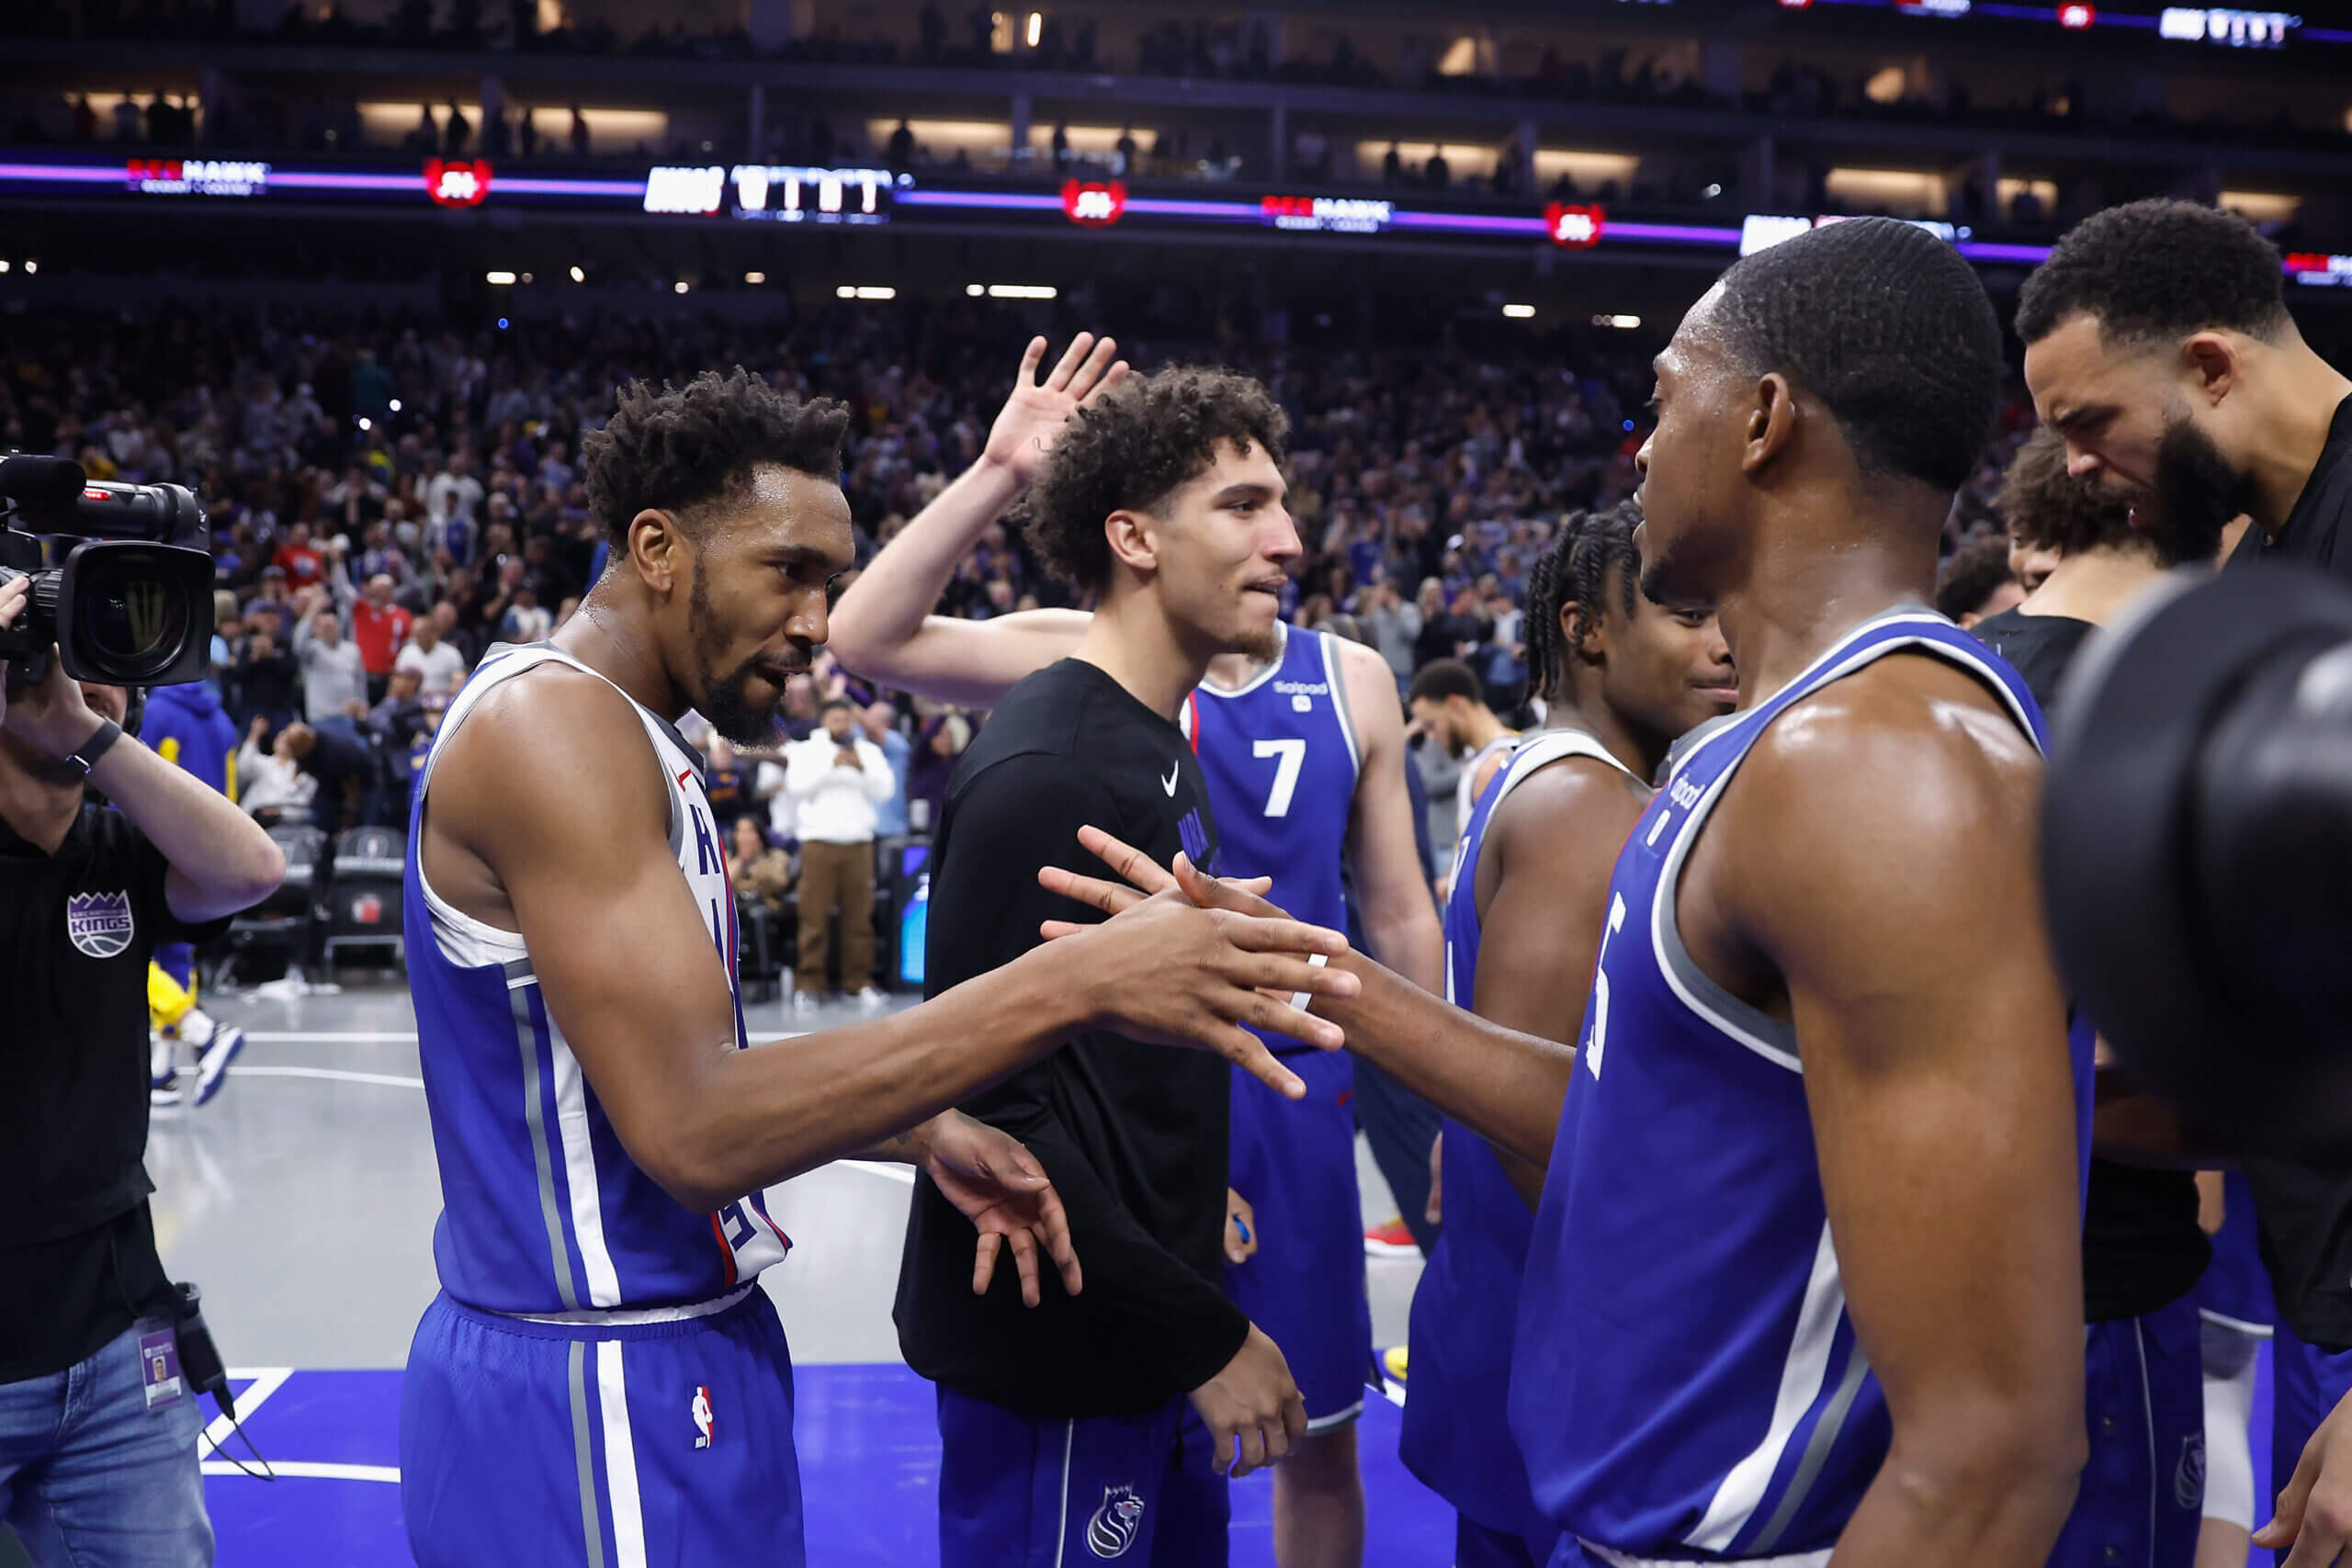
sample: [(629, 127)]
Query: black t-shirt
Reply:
[(77, 929), (2304, 1212), (1134, 1135), (2143, 1248)]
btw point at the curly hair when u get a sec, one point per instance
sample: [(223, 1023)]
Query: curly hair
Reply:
[(1972, 575), (1592, 555), (1889, 329), (680, 448), (2049, 509), (2157, 269), (1132, 449)]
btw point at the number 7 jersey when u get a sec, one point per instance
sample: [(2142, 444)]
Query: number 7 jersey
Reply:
[(1686, 1380)]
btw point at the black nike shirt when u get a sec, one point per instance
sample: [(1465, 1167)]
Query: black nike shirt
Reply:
[(2303, 1210), (2143, 1248), (1134, 1135)]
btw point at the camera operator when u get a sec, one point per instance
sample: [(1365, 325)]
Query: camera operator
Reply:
[(97, 1428)]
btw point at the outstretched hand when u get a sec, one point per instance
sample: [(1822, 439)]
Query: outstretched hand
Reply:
[(1188, 966), (998, 1184), (1031, 418)]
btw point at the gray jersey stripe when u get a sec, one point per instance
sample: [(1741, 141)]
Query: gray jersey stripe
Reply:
[(1816, 1448), (591, 1520), (559, 1254)]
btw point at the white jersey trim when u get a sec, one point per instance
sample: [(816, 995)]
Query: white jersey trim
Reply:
[(634, 1317), (580, 1173), (1616, 1559), (1803, 1372), (1266, 673), (620, 1458)]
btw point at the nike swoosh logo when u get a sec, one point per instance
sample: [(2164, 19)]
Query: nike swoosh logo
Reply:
[(1169, 783)]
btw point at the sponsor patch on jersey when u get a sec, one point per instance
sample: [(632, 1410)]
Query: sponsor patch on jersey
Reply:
[(99, 923), (1116, 1522)]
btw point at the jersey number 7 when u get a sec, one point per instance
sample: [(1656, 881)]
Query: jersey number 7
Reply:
[(1291, 755)]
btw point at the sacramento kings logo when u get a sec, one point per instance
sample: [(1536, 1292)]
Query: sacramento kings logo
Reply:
[(99, 923), (2189, 1477), (1114, 1525)]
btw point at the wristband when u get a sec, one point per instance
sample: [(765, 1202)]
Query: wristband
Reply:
[(1300, 998), (95, 747)]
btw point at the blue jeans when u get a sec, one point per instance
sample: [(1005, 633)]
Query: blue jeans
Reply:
[(90, 1477)]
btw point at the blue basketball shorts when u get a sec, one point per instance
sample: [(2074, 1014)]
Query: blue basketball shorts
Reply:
[(2142, 1499), (530, 1443), (1017, 1491), (1296, 1163)]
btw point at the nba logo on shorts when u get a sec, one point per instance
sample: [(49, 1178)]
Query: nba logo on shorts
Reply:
[(702, 1417), (99, 923), (1113, 1529)]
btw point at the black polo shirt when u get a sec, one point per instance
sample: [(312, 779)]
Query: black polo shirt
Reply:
[(77, 928), (2304, 1212)]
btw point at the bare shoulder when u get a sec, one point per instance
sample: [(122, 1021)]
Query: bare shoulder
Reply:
[(1575, 793), (1909, 728), (552, 749)]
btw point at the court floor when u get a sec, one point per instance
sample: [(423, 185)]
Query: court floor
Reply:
[(302, 1200)]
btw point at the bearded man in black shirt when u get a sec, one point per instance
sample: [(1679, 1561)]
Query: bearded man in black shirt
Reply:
[(1110, 1416), (2159, 345), (97, 1451)]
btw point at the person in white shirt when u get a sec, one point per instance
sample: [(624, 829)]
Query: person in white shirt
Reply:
[(439, 666), (834, 778), (333, 677), (454, 491)]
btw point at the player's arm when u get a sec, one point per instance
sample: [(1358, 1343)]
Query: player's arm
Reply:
[(1542, 889), (1880, 856), (883, 628), (544, 786), (1399, 919), (1491, 1078)]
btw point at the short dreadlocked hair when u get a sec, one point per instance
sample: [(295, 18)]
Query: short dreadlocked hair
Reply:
[(2157, 269), (1590, 563), (1889, 329), (680, 448), (1133, 448), (2049, 509)]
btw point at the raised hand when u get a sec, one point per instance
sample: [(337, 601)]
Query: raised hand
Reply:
[(998, 1184), (1031, 418)]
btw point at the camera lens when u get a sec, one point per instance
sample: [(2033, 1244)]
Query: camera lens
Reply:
[(135, 617)]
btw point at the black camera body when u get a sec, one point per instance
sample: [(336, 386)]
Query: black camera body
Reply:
[(132, 603)]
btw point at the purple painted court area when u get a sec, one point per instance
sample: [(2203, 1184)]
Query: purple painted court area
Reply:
[(869, 1460)]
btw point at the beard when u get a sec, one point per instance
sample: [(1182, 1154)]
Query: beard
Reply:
[(1263, 647), (726, 700), (2194, 495)]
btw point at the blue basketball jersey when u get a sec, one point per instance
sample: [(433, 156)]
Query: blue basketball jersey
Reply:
[(543, 1212), (1457, 1438), (1282, 757), (1685, 1380)]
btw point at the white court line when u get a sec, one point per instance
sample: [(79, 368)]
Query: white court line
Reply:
[(304, 1470), (899, 1173), (328, 1037), (1394, 1391), (267, 1381), (333, 1075)]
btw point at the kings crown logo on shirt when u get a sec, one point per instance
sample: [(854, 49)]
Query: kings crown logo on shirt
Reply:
[(1115, 1524), (99, 923)]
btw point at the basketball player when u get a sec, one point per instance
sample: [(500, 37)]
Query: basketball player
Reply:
[(2236, 1314), (1302, 747), (2158, 344), (602, 1380), (2142, 1495), (1807, 1275), (1449, 706), (1621, 677)]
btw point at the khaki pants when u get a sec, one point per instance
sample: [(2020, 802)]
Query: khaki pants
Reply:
[(836, 876)]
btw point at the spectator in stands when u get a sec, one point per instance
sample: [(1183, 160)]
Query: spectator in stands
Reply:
[(272, 786), (1975, 581), (938, 748), (761, 873), (303, 562), (835, 779), (880, 720), (274, 602), (728, 785), (1393, 626), (266, 675), (335, 682), (378, 628), (439, 667), (525, 620), (341, 764)]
